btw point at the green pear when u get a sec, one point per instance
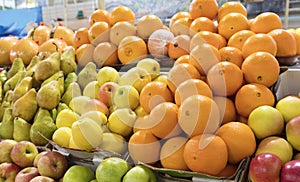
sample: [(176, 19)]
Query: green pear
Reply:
[(26, 106), (21, 129), (70, 78), (47, 67), (1, 92), (7, 124), (49, 95), (87, 74), (6, 102), (32, 65), (3, 76), (43, 127), (41, 113), (53, 113), (61, 106), (72, 91), (16, 66), (67, 61), (22, 88), (11, 83), (59, 76)]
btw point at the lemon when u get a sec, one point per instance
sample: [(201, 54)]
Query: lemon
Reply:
[(113, 142), (87, 134), (72, 144), (126, 96), (97, 116), (62, 136), (66, 118)]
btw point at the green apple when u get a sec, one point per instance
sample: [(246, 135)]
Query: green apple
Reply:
[(292, 130), (152, 66), (113, 142), (78, 173), (107, 74), (126, 96), (289, 107), (138, 77), (91, 89), (112, 169), (266, 121), (276, 145), (140, 174), (121, 121)]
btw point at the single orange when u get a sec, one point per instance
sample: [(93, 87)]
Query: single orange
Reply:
[(99, 32), (237, 40), (232, 23), (131, 48), (164, 120), (231, 7), (261, 67), (179, 46), (208, 37), (171, 154), (297, 37), (120, 30), (142, 123), (203, 57), (252, 95), (100, 15), (147, 24), (158, 42), (144, 142), (122, 13), (225, 78), (206, 154), (179, 73), (240, 140), (203, 8), (283, 38), (199, 114), (180, 14), (232, 54), (181, 26), (222, 40), (81, 37), (265, 22), (182, 59), (227, 109), (191, 87), (259, 42), (154, 93), (201, 24), (105, 54)]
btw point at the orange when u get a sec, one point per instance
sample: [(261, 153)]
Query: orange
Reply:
[(120, 30), (181, 26), (265, 22), (232, 54), (180, 14), (203, 8), (122, 13), (261, 67), (99, 30), (182, 59), (222, 41), (81, 36), (285, 41), (164, 120), (105, 54), (142, 123), (259, 42), (144, 142), (199, 114), (252, 95), (179, 73), (240, 140), (227, 109), (229, 171), (100, 15), (297, 37), (191, 87), (154, 93), (203, 57), (147, 24), (171, 154), (158, 42), (232, 23), (231, 7), (225, 78), (237, 40), (201, 24), (208, 37), (179, 46), (206, 154), (131, 48)]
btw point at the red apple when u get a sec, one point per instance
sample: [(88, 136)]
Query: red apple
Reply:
[(106, 91), (42, 179), (265, 167), (5, 149), (23, 153), (52, 164), (37, 158), (290, 171), (292, 131), (8, 171), (26, 174)]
